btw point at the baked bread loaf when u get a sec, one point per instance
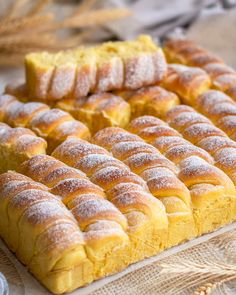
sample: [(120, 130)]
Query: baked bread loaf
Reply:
[(159, 173), (212, 192), (104, 227), (44, 235), (98, 110), (201, 132), (187, 52), (18, 145), (187, 82), (110, 66), (152, 100), (220, 109), (54, 125), (146, 215)]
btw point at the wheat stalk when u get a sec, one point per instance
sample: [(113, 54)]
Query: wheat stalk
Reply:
[(22, 24), (208, 288)]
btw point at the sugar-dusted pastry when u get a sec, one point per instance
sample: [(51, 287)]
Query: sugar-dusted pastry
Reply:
[(18, 145), (213, 194), (54, 124), (17, 89), (190, 172), (98, 111), (146, 215), (43, 233), (187, 82), (159, 173), (201, 132), (152, 100), (232, 92), (103, 225), (106, 67), (187, 52), (220, 108)]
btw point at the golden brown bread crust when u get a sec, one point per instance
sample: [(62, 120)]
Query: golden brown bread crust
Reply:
[(206, 136), (220, 108), (146, 216), (186, 52), (187, 82), (205, 182), (152, 100), (107, 67), (144, 160), (18, 145), (98, 218), (54, 125), (98, 111), (55, 244)]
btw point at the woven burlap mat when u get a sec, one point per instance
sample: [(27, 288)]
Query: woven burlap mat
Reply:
[(208, 267), (205, 268)]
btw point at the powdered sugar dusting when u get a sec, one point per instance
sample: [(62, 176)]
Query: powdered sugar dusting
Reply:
[(184, 120), (142, 122), (197, 132), (123, 150)]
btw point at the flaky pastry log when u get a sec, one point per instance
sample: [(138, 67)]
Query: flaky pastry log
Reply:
[(146, 216), (159, 173), (54, 125), (98, 110), (18, 145), (44, 235), (187, 82), (213, 194)]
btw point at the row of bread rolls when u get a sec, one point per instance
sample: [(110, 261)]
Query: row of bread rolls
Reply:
[(44, 235), (204, 181), (212, 192), (188, 53), (159, 173), (140, 224), (54, 125), (109, 66), (192, 85)]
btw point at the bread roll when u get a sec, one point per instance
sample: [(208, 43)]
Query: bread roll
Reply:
[(18, 145), (212, 192), (220, 108), (144, 160), (188, 53), (187, 82), (152, 100), (109, 66), (206, 136), (43, 233), (146, 216), (98, 110), (54, 125), (103, 225)]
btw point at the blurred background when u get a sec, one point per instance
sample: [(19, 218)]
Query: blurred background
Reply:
[(31, 25)]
